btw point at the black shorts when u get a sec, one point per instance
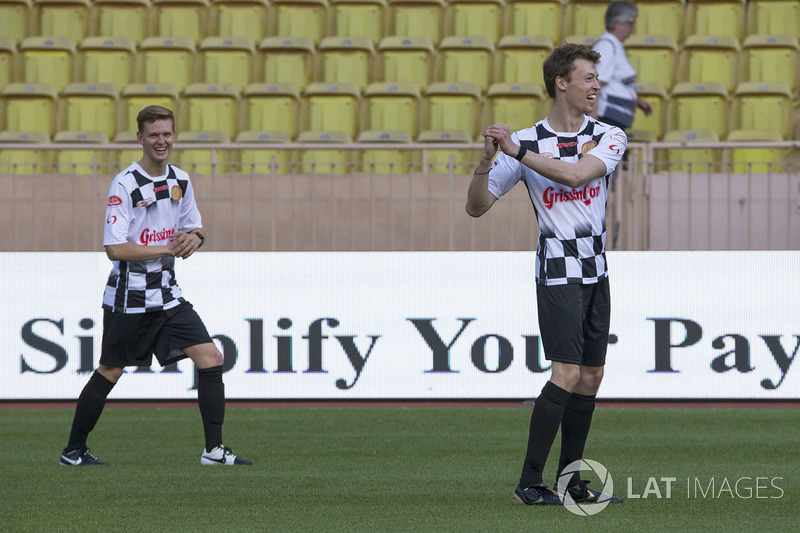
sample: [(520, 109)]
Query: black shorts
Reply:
[(574, 321), (132, 339)]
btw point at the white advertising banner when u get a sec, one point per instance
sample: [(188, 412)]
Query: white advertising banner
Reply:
[(440, 325)]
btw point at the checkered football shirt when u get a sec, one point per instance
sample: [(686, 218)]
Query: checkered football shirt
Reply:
[(147, 211), (572, 222)]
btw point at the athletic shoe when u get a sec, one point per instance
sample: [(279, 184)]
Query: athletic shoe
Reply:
[(582, 493), (79, 457), (538, 494), (221, 455)]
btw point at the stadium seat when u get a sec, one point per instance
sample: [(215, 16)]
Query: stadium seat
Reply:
[(227, 60), (755, 160), (166, 60), (180, 18), (706, 58), (198, 161), (452, 106), (61, 18), (774, 17), (239, 18), (107, 60), (263, 159), (15, 19), (333, 161), (286, 60), (715, 17), (474, 18), (345, 60), (8, 61), (23, 161), (450, 160), (534, 18), (391, 106), (586, 40), (761, 106), (699, 106), (417, 18), (30, 107), (299, 18), (47, 60), (694, 160), (386, 161), (519, 58), (331, 107), (406, 59), (120, 18), (656, 95), (137, 96), (81, 162), (210, 107), (771, 58), (654, 58), (585, 17), (89, 107), (271, 106), (466, 60), (366, 18), (660, 17), (519, 105), (127, 156)]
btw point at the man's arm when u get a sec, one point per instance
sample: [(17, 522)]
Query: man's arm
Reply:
[(479, 199), (181, 245)]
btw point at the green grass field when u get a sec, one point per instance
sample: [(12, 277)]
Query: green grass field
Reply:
[(393, 469)]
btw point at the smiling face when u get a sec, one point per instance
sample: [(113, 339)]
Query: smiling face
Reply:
[(581, 87), (156, 139)]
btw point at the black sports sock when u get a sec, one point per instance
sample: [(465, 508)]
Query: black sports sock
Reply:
[(545, 419), (574, 430), (90, 406), (211, 399)]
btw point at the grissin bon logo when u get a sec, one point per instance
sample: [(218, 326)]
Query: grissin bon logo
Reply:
[(551, 196), (151, 236)]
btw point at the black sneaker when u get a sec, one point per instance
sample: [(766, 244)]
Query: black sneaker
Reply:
[(222, 455), (79, 457), (581, 492), (538, 494)]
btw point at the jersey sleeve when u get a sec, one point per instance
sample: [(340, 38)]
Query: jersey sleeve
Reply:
[(505, 172), (610, 149), (189, 215), (118, 215)]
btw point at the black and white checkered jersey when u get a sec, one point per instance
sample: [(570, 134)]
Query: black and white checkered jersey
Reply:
[(147, 211), (572, 222)]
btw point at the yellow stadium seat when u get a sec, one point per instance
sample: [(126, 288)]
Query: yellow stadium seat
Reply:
[(694, 160), (449, 160), (107, 60), (386, 161), (654, 58), (286, 60), (227, 60), (763, 106), (774, 17), (299, 18), (715, 17), (452, 106), (137, 96), (656, 95), (345, 60), (120, 18), (705, 58), (89, 107), (239, 18), (30, 107), (519, 58), (48, 60), (166, 60), (81, 162), (519, 105), (760, 160), (699, 106), (267, 106), (585, 17), (24, 161), (417, 18), (15, 19), (8, 61), (331, 107), (391, 106), (475, 18), (358, 17), (180, 18), (466, 60), (660, 17), (200, 161), (264, 159), (771, 58), (61, 18), (327, 161), (406, 59), (586, 40), (534, 18), (210, 107), (126, 156)]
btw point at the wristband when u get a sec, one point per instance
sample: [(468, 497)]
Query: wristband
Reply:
[(202, 238), (521, 153)]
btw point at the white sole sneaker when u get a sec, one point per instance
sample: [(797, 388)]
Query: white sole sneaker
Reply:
[(222, 455)]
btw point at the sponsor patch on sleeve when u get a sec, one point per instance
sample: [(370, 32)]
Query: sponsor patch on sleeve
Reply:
[(114, 201)]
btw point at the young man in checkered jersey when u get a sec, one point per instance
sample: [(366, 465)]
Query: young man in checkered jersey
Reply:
[(565, 161), (151, 219)]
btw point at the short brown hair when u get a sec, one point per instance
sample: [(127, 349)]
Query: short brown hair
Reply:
[(561, 63), (152, 113)]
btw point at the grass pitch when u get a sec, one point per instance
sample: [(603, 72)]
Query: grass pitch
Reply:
[(395, 469)]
